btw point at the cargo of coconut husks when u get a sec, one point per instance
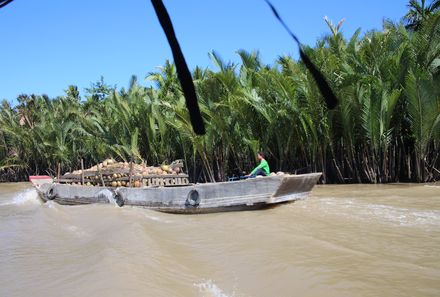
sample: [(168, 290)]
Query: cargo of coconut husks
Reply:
[(110, 173)]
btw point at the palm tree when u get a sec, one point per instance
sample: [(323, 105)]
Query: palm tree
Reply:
[(419, 12), (386, 127), (424, 109)]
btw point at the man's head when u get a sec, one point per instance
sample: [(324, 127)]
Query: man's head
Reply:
[(260, 156)]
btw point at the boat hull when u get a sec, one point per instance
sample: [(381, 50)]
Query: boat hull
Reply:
[(248, 194)]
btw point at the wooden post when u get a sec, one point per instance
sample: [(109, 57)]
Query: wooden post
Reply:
[(100, 175), (82, 172), (131, 173), (59, 171)]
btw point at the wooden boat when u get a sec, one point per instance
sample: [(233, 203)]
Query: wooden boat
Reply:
[(254, 193)]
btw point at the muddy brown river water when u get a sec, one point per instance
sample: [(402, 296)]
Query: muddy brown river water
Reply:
[(357, 240)]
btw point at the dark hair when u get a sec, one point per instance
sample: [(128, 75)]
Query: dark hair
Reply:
[(262, 154)]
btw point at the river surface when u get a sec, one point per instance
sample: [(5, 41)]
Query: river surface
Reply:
[(357, 240)]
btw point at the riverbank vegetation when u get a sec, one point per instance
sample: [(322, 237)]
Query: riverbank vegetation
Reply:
[(386, 127)]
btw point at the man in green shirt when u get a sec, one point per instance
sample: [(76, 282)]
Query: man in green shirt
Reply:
[(262, 169)]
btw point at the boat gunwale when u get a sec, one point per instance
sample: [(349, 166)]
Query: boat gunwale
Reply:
[(196, 184)]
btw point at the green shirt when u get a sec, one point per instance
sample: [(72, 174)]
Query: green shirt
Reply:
[(264, 166)]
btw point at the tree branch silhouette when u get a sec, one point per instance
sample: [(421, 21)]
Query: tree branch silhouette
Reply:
[(324, 87), (182, 69)]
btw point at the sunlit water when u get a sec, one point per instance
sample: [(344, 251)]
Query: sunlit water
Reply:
[(342, 241)]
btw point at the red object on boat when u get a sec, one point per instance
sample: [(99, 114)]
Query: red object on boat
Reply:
[(38, 180), (31, 177)]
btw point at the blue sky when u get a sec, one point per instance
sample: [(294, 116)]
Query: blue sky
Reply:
[(47, 45)]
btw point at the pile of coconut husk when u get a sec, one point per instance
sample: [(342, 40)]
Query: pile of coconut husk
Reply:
[(123, 174)]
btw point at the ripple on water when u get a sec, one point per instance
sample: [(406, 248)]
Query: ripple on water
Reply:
[(384, 213), (78, 232), (157, 219), (404, 216)]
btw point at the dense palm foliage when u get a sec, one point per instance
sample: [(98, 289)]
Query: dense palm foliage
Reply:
[(419, 12), (385, 129)]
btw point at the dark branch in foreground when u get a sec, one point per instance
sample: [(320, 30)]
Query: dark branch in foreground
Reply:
[(182, 68), (5, 2), (324, 88)]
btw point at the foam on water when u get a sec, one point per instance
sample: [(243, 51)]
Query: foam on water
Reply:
[(52, 205), (109, 195), (23, 197), (209, 288)]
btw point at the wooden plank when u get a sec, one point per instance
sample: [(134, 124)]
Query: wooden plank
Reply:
[(100, 175), (131, 173), (82, 171)]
